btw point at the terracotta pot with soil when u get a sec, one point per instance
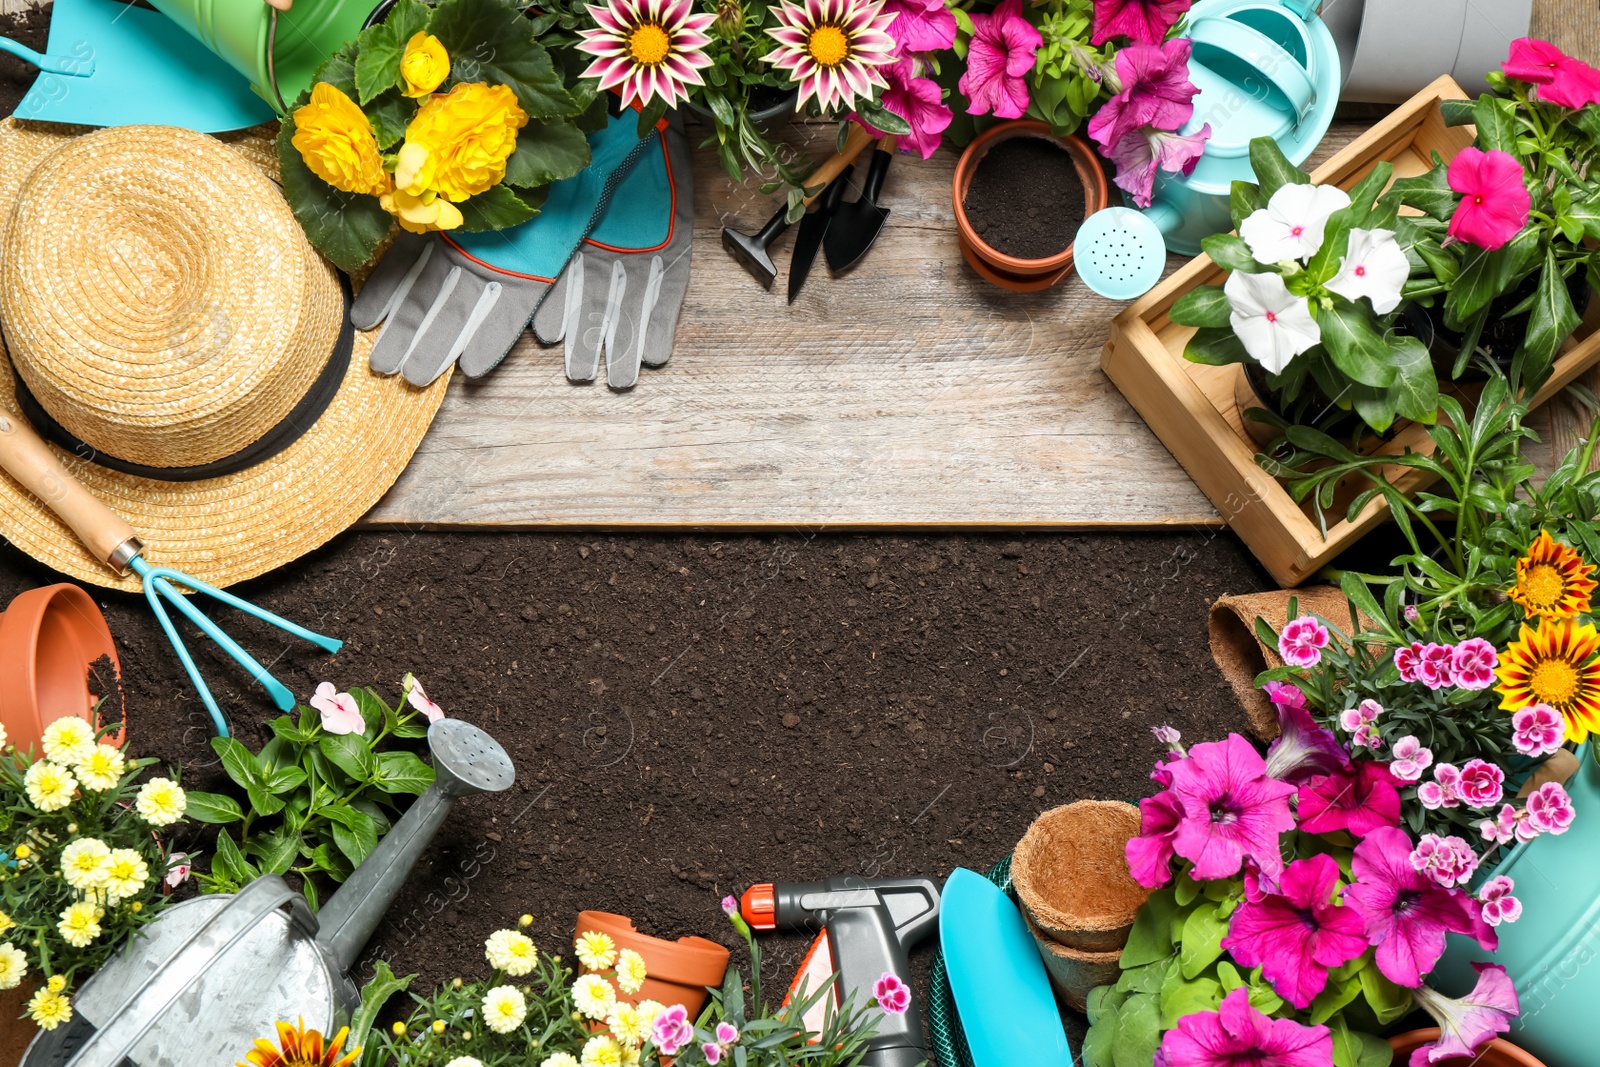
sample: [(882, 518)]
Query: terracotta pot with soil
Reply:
[(1240, 655), (1498, 1053), (679, 971), (54, 648), (1020, 195)]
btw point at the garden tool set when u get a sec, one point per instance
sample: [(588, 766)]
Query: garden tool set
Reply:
[(857, 223), (215, 972)]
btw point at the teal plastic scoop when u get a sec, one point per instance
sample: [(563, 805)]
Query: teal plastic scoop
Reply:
[(112, 64)]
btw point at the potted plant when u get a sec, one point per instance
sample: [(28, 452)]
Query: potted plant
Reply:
[(1497, 1053), (680, 972)]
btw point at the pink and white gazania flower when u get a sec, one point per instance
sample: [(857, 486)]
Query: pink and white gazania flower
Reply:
[(1549, 809), (832, 49), (1468, 1023), (1273, 324), (1482, 783), (1537, 730), (1448, 861), (1302, 641), (651, 49), (1374, 267), (1409, 759), (340, 714), (1473, 663), (1144, 151), (1499, 906), (1291, 225), (1445, 789), (1436, 665)]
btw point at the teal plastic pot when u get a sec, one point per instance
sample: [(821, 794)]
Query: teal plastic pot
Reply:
[(1552, 953), (277, 51)]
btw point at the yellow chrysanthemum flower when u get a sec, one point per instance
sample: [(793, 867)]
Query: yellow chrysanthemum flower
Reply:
[(126, 873), (593, 997), (601, 1051), (1553, 581), (648, 1010), (596, 951), (623, 1022), (49, 786), (465, 1061), (6, 922), (102, 768), (13, 966), (511, 952), (80, 923), (504, 1009), (459, 142), (161, 802), (424, 66), (299, 1047), (83, 863), (335, 139), (560, 1059), (1554, 664), (631, 971), (49, 1009), (68, 741)]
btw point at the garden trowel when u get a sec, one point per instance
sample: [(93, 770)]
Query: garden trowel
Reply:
[(808, 242), (856, 225)]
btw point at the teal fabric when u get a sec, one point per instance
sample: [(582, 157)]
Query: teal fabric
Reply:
[(640, 213)]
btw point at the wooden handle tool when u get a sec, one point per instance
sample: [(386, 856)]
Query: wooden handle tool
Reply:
[(857, 142), (29, 460)]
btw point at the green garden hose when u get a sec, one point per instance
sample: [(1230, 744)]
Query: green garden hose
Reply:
[(948, 1043)]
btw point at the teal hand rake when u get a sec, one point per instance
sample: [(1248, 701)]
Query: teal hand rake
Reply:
[(111, 540)]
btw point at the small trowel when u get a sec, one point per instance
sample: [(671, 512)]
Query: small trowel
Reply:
[(856, 224), (808, 242)]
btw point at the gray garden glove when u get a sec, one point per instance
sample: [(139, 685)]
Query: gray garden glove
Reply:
[(621, 293)]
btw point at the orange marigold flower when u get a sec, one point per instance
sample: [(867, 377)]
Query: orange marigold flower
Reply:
[(299, 1047), (1553, 581), (1555, 665)]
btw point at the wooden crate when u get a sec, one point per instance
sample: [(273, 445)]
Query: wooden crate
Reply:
[(1191, 407)]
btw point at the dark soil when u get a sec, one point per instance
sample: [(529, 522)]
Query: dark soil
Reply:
[(31, 28), (1026, 198)]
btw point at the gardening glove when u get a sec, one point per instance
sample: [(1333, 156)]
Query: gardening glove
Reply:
[(621, 293), (444, 297)]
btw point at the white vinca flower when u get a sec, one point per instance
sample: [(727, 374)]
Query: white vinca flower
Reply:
[(1291, 225), (1273, 323), (1374, 267)]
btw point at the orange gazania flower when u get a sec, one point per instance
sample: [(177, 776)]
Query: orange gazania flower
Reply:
[(298, 1047), (1553, 581), (1554, 665)]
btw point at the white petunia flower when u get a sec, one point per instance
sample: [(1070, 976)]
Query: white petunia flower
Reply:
[(1273, 323), (1374, 267), (1291, 225)]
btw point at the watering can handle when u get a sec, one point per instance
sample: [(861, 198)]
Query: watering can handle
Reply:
[(72, 66), (29, 460), (1265, 56)]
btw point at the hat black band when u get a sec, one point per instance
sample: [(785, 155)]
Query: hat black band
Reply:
[(301, 418)]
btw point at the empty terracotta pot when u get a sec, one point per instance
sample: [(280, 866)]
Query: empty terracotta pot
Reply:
[(679, 971), (1498, 1053), (50, 638), (1071, 875)]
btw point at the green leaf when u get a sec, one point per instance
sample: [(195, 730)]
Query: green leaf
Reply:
[(353, 831), (1099, 1044), (1496, 120), (547, 152), (1138, 1031), (1428, 192), (403, 772), (212, 807), (1272, 168), (1151, 937), (286, 728), (1324, 262), (374, 712), (1456, 112), (1389, 1002), (497, 208), (1551, 321), (1417, 390), (1205, 306), (276, 851), (1180, 998), (331, 862), (1203, 932), (229, 862), (1486, 274), (882, 119), (1216, 348), (1356, 1048), (345, 227), (1334, 996), (374, 995), (380, 48), (491, 42), (1148, 978), (352, 754), (1354, 346), (1244, 199), (285, 779), (1186, 889), (237, 761), (1228, 250), (391, 113), (262, 800)]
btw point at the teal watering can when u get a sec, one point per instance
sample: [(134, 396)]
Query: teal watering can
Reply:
[(1552, 953), (1264, 68)]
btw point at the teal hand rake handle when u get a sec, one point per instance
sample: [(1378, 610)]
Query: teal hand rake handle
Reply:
[(71, 66), (29, 460)]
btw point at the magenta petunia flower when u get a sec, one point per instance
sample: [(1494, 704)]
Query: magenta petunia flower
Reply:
[(1150, 854), (1410, 758), (892, 995), (1435, 665), (1231, 809), (1482, 783), (1143, 152), (1537, 730), (1141, 21), (1406, 659), (1297, 934), (833, 49), (921, 25), (1549, 809), (920, 102), (1237, 1035), (1468, 1023), (1473, 663), (1156, 91), (1494, 202), (1499, 906), (1559, 78), (1447, 861), (1359, 802), (1404, 914), (1302, 641), (998, 59), (650, 49), (1302, 749)]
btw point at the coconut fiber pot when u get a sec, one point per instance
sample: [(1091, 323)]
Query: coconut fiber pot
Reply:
[(1498, 1053), (679, 971), (50, 640), (1071, 875)]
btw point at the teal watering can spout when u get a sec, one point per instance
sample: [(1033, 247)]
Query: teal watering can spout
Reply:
[(1165, 216), (70, 66)]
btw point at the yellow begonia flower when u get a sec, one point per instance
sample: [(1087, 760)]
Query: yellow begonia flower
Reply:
[(420, 214), (425, 65), (49, 1010), (335, 139), (459, 142)]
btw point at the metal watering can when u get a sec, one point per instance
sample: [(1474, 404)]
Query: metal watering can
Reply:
[(214, 973)]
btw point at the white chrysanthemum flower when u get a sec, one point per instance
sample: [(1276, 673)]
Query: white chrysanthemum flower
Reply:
[(560, 1059), (648, 1010), (102, 768), (80, 923), (68, 741), (49, 785), (631, 971), (601, 1051), (126, 874), (465, 1061), (504, 1009), (511, 952), (161, 802), (49, 1009), (83, 863), (623, 1022), (596, 951), (593, 996), (13, 966)]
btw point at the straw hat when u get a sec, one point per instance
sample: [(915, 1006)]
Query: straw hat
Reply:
[(165, 315)]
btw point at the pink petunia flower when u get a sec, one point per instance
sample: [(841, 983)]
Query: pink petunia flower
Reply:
[(922, 25), (999, 57), (1231, 809), (1156, 91), (1447, 861), (1499, 906), (1302, 641), (1445, 789), (1473, 663), (1406, 659), (1434, 665), (1144, 151), (1404, 914), (1559, 78), (892, 995), (1537, 730), (671, 1031), (1468, 1023), (920, 102), (1502, 829), (1482, 783), (417, 697), (1360, 802), (1237, 1035), (1550, 809), (1302, 749), (1141, 21), (1410, 759), (1494, 202), (1297, 934), (1150, 854), (340, 714)]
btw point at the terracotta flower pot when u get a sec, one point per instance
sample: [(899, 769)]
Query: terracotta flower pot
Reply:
[(1498, 1053), (679, 971), (1070, 871), (1009, 272), (50, 638)]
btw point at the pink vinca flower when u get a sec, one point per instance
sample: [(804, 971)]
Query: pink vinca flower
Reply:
[(1435, 666), (1467, 1024), (1406, 660), (1156, 91), (999, 58), (1537, 730), (1473, 663), (417, 697), (1560, 79), (1374, 267), (1302, 641), (647, 49), (1141, 21), (1410, 759), (1482, 783), (1404, 914), (1144, 151), (920, 102), (892, 995), (1447, 861), (833, 49), (921, 25), (671, 1031), (1237, 1035), (1550, 809), (1445, 789), (340, 714), (1297, 934), (1150, 854), (1360, 802), (1231, 810), (1494, 202), (1302, 749), (1499, 906), (178, 869)]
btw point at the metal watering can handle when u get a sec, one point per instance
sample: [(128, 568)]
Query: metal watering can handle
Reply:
[(1261, 54)]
